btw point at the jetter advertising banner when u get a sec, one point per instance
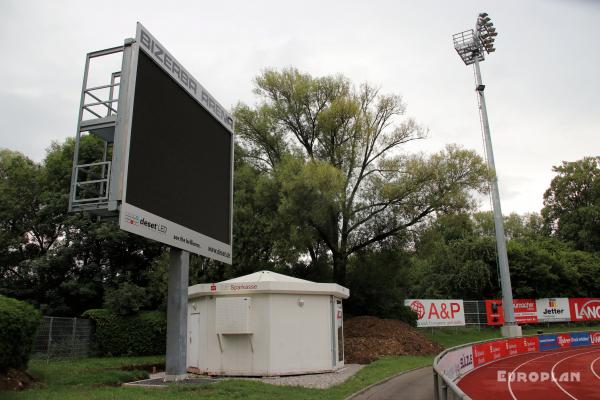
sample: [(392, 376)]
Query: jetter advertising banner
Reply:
[(437, 312), (525, 311), (585, 309), (553, 310)]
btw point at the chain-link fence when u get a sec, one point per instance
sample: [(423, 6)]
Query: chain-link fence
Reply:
[(62, 338)]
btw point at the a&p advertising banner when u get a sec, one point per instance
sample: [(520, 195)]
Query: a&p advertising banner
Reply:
[(437, 312)]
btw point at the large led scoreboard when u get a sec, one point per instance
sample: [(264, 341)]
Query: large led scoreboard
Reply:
[(171, 171), (178, 177)]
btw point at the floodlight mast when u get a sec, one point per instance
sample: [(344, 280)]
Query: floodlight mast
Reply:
[(471, 46)]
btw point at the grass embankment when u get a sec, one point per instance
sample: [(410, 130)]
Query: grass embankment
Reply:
[(99, 378)]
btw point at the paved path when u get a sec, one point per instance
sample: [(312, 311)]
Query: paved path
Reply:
[(414, 385)]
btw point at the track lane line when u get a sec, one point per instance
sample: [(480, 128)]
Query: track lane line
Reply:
[(551, 353), (560, 361), (592, 368), (512, 373), (514, 390)]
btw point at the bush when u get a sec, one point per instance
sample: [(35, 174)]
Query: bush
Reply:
[(18, 324), (135, 335), (127, 299)]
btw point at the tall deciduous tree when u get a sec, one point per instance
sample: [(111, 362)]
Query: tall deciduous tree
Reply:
[(572, 203), (333, 154)]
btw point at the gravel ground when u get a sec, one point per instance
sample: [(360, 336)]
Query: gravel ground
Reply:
[(315, 381)]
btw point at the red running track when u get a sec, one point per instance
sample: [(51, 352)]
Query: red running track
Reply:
[(569, 374)]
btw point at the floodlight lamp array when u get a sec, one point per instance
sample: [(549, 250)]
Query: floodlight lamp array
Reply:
[(471, 45), (485, 32)]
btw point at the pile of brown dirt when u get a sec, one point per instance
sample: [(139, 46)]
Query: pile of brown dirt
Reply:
[(367, 339), (14, 379)]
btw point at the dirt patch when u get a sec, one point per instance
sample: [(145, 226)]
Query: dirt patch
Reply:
[(367, 339), (152, 368), (14, 379)]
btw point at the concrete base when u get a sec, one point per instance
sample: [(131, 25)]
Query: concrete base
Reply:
[(511, 331), (175, 378)]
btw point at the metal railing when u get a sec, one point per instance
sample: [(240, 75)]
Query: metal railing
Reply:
[(98, 109), (445, 387), (92, 182)]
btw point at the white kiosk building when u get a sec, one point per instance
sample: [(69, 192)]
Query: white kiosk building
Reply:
[(265, 324)]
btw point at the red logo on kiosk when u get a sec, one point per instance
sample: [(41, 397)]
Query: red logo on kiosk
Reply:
[(213, 287)]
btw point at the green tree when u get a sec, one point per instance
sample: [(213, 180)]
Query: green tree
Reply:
[(61, 262), (453, 259), (332, 153), (456, 256), (572, 203)]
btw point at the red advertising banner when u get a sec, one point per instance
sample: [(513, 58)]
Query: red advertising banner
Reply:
[(585, 309), (595, 338), (525, 311), (486, 352), (522, 345)]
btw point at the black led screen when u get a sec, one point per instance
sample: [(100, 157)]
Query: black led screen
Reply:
[(179, 156)]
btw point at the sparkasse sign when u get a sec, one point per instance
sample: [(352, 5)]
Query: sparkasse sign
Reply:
[(437, 312)]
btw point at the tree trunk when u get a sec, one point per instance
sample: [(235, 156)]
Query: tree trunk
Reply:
[(339, 268)]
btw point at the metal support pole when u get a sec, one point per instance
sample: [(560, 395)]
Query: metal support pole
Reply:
[(512, 329), (177, 299), (73, 337), (49, 340)]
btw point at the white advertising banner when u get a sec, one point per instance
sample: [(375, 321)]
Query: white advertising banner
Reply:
[(457, 363), (553, 310), (437, 312)]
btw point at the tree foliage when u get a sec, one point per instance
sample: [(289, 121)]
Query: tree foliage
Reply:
[(60, 262), (337, 177), (572, 203), (456, 257)]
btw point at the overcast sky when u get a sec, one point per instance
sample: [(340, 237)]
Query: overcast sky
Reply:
[(542, 84)]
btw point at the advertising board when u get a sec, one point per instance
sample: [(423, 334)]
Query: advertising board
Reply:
[(522, 345), (580, 339), (585, 309), (457, 362), (553, 310), (525, 311), (486, 352), (437, 312), (178, 173)]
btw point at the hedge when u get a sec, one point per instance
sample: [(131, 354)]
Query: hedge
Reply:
[(136, 335), (19, 322)]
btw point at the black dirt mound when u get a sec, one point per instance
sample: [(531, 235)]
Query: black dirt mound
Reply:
[(14, 379)]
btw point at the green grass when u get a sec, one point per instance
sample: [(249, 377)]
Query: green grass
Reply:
[(100, 378), (97, 378)]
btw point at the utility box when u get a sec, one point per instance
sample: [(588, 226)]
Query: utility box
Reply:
[(265, 324)]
